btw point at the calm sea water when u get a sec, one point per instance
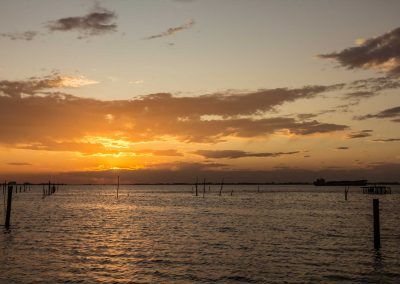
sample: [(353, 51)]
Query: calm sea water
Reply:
[(164, 234)]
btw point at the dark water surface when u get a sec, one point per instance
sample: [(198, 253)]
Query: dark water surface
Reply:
[(164, 234)]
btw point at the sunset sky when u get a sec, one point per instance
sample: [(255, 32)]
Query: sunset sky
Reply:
[(168, 90)]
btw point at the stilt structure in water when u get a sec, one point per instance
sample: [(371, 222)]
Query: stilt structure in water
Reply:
[(376, 189)]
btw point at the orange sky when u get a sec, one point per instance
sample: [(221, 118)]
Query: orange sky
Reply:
[(88, 124)]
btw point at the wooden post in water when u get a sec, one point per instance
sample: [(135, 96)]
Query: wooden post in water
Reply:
[(222, 184), (377, 230), (204, 187), (346, 191), (118, 187), (197, 179), (48, 192), (9, 201)]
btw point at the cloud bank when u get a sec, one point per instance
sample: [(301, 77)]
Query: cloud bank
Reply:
[(382, 53), (235, 154)]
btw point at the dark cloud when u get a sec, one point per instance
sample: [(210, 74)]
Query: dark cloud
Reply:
[(342, 148), (374, 84), (381, 52), (19, 164), (36, 85), (387, 113), (387, 140), (27, 35), (100, 21), (235, 154), (174, 30), (359, 134), (360, 95)]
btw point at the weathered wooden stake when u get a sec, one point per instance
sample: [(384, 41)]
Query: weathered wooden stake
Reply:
[(197, 179), (9, 201), (346, 191), (118, 187), (204, 187), (222, 184), (377, 230)]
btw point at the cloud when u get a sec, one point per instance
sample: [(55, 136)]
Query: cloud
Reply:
[(387, 140), (174, 30), (359, 134), (342, 148), (19, 164), (27, 35), (235, 154), (360, 95), (36, 85), (374, 85), (167, 152), (381, 53), (387, 113), (57, 121), (97, 22)]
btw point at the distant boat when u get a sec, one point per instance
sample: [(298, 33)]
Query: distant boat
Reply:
[(322, 182)]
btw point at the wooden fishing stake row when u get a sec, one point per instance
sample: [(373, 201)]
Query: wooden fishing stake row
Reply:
[(9, 203), (209, 187), (50, 189)]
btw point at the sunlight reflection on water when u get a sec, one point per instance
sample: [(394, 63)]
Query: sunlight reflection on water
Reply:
[(164, 234)]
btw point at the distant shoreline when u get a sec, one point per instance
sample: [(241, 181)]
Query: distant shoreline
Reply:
[(207, 183)]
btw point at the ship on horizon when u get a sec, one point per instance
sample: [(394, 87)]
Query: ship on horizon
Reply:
[(322, 182)]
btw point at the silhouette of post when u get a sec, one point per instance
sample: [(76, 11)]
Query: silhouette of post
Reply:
[(9, 201), (377, 230), (118, 187), (197, 179), (222, 184), (204, 187)]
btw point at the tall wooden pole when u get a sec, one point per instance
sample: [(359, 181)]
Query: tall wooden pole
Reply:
[(204, 187), (222, 184), (377, 230), (118, 187), (197, 179), (9, 201)]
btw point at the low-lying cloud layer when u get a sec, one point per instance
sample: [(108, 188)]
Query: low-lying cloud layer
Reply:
[(187, 172), (381, 53), (235, 154)]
